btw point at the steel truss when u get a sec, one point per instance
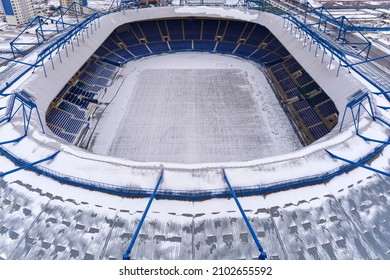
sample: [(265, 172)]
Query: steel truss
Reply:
[(330, 35), (42, 29), (25, 102), (358, 101)]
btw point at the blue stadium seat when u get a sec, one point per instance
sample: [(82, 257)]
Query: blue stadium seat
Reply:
[(292, 93), (185, 45), (328, 108), (259, 54), (269, 58), (245, 50), (247, 30), (319, 98), (221, 27), (318, 131), (226, 47), (304, 78), (158, 47), (139, 50), (204, 46), (209, 29), (128, 38), (282, 51), (300, 105), (175, 28), (124, 53), (151, 31), (115, 58), (233, 31), (192, 28), (280, 74), (287, 84), (310, 117), (257, 35), (273, 45), (163, 28), (110, 44), (137, 30), (102, 51)]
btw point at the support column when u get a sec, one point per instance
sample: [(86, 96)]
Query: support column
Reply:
[(126, 255), (263, 254)]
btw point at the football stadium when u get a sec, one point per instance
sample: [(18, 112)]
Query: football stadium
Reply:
[(192, 132)]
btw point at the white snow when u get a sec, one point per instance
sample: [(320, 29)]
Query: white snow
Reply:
[(326, 207), (227, 13), (193, 108)]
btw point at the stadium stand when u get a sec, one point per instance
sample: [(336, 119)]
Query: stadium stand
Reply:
[(68, 113), (310, 105)]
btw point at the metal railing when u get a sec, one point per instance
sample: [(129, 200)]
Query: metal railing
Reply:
[(134, 191)]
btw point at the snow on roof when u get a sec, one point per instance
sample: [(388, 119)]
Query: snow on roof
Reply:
[(220, 11)]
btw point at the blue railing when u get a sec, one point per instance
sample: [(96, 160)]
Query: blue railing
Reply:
[(133, 191), (172, 194)]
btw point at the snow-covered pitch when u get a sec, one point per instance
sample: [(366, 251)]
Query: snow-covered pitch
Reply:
[(193, 108)]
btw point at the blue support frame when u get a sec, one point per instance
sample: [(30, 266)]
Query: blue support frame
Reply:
[(41, 22), (126, 255), (27, 105), (325, 22), (357, 100), (384, 107), (358, 164), (340, 48), (2, 174), (263, 254)]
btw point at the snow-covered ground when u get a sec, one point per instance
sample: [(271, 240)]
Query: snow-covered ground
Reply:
[(193, 108), (343, 218)]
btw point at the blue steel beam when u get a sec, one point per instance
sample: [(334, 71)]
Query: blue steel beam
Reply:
[(16, 61), (126, 255), (368, 139), (335, 50), (2, 174), (356, 100), (358, 164), (26, 103), (369, 60), (41, 21), (342, 24), (263, 254)]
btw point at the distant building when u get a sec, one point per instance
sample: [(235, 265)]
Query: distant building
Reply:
[(68, 3), (18, 12)]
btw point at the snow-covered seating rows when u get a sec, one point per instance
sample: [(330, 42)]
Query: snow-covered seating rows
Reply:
[(138, 39), (68, 113)]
